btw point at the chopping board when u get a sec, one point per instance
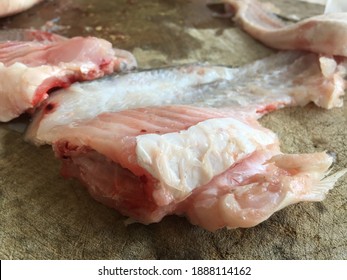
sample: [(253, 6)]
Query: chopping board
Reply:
[(43, 216)]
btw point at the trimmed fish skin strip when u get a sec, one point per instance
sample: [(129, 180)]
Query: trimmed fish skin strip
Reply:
[(323, 34), (240, 187), (32, 68), (283, 79)]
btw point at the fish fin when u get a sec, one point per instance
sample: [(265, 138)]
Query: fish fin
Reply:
[(327, 183)]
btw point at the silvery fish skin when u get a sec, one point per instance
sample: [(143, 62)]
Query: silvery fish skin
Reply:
[(283, 79), (25, 35)]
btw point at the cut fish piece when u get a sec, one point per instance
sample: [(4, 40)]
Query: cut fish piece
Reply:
[(218, 167), (182, 85), (117, 143), (283, 79), (10, 7), (324, 34), (33, 68)]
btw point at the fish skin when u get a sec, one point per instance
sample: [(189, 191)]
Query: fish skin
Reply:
[(323, 34), (32, 68), (112, 138), (283, 79)]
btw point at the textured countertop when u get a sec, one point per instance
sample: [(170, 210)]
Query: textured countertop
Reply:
[(43, 216)]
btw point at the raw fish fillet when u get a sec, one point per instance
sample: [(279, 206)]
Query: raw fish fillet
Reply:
[(218, 167), (283, 79), (10, 7), (323, 34), (32, 67)]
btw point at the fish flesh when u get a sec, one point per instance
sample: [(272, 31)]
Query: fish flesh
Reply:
[(42, 62), (283, 79), (218, 167), (10, 7), (323, 34)]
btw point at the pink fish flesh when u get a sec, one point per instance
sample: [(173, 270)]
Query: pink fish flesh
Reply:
[(283, 79), (218, 167), (34, 67), (323, 34)]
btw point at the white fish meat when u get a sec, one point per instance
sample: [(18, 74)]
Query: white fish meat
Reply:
[(42, 62), (218, 167), (284, 79), (324, 34), (10, 7)]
